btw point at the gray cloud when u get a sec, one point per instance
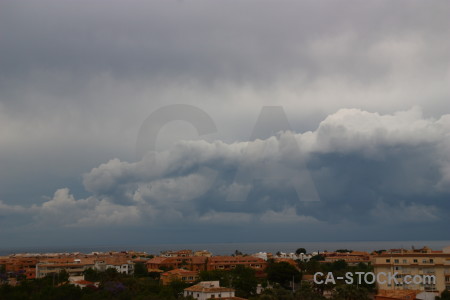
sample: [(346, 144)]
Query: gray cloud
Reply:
[(375, 177)]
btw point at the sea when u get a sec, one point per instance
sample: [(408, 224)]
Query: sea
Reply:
[(230, 248)]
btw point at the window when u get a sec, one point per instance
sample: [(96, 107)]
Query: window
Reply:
[(396, 261), (424, 261), (431, 261), (405, 261), (388, 260), (213, 296), (415, 261)]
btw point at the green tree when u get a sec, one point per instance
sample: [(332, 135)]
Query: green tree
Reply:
[(277, 293), (307, 292), (343, 251), (300, 250), (444, 296), (350, 292), (282, 273), (91, 275), (312, 267), (177, 287), (244, 281), (318, 257), (140, 270), (224, 277)]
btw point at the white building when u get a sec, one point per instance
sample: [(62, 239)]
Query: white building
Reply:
[(301, 256), (208, 290), (262, 255), (121, 267)]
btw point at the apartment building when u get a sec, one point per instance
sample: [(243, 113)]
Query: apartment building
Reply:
[(192, 263), (179, 275), (396, 295), (179, 253), (351, 258), (19, 265), (76, 267), (406, 264), (230, 262), (73, 269)]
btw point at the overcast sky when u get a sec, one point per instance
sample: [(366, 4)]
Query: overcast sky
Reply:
[(302, 121)]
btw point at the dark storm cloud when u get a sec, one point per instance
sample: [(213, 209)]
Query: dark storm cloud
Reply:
[(370, 170), (206, 40)]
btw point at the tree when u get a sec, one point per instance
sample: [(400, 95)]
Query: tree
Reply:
[(344, 251), (276, 293), (312, 266), (178, 286), (307, 292), (91, 275), (140, 270), (444, 296), (244, 281), (318, 257), (223, 276), (282, 273), (300, 250), (350, 292)]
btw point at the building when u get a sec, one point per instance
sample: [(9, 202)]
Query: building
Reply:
[(192, 263), (286, 260), (124, 267), (351, 258), (179, 253), (230, 262), (73, 269), (294, 256), (19, 265), (422, 264), (179, 275), (396, 295), (209, 290), (205, 253), (77, 266), (262, 255)]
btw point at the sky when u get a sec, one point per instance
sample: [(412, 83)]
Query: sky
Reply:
[(143, 122)]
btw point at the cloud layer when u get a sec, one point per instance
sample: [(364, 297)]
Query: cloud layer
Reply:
[(366, 168)]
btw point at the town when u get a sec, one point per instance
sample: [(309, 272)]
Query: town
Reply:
[(200, 275)]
